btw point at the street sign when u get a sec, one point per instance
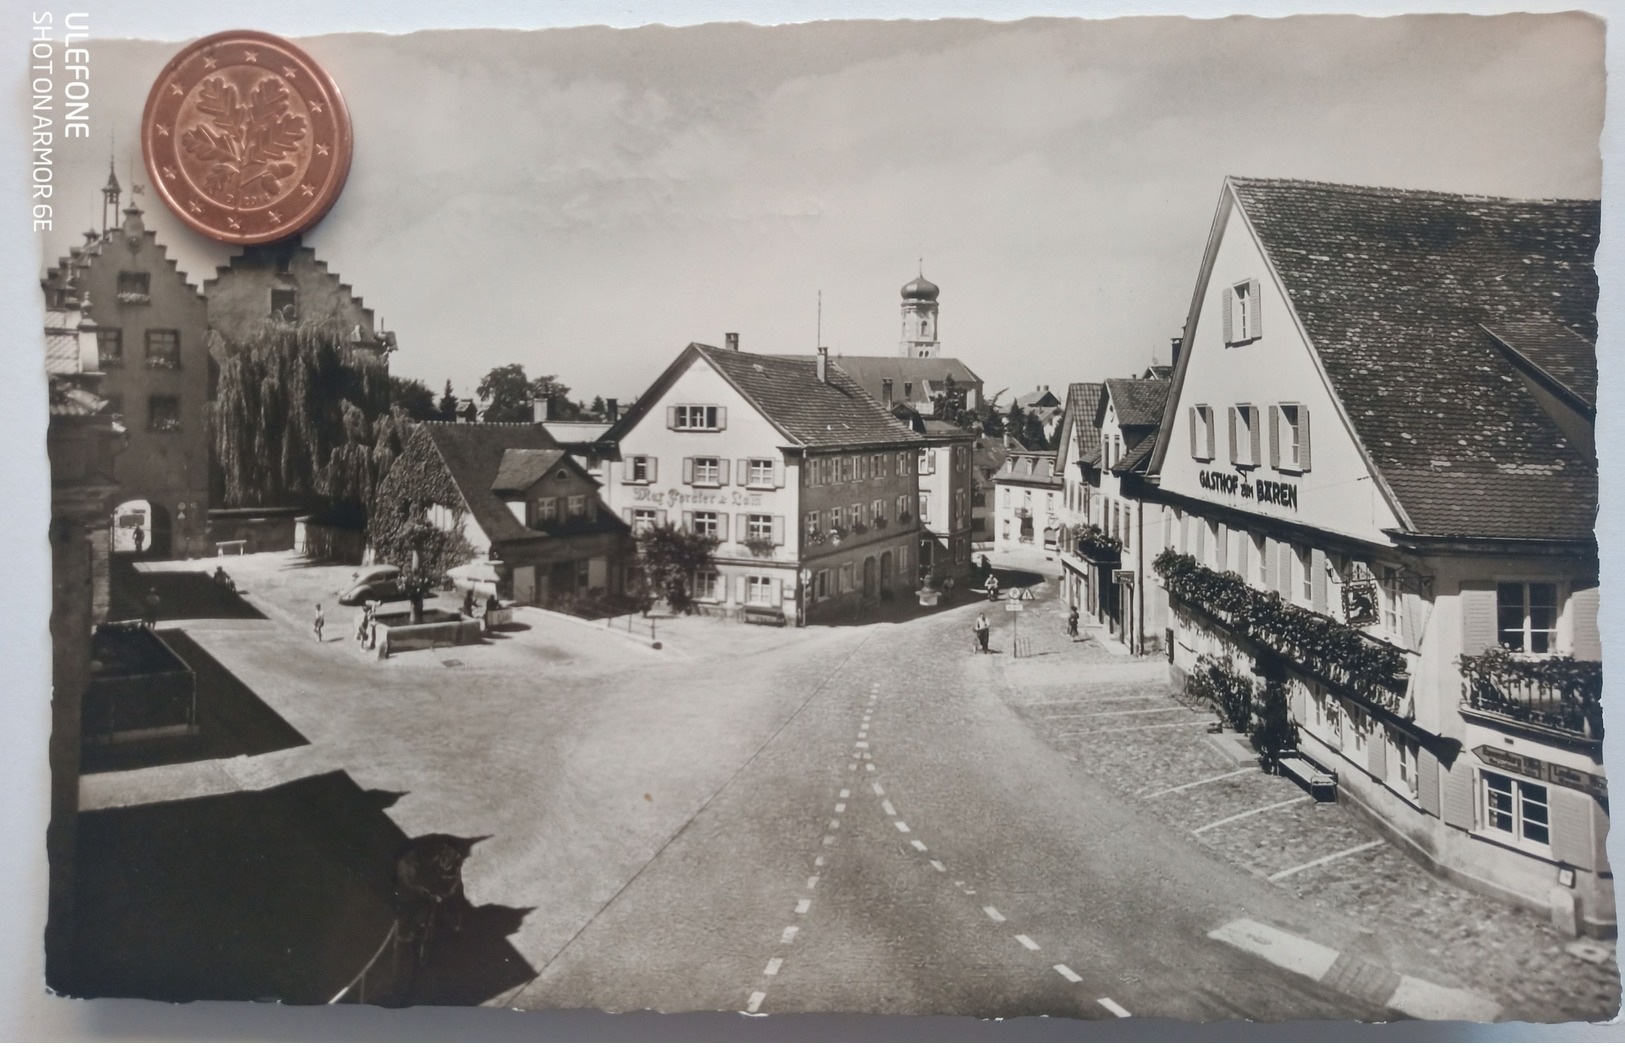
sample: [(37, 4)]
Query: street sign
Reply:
[(1013, 604)]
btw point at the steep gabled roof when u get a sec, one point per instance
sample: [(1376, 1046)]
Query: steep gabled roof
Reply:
[(1078, 423), (1029, 467), (520, 468), (1391, 287), (1139, 401), (1561, 354), (923, 371), (473, 455), (786, 391), (1137, 458)]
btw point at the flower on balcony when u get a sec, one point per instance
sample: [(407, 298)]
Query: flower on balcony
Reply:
[(860, 528), (836, 534), (1324, 646), (905, 517), (134, 298), (1557, 692), (1096, 544), (880, 523), (760, 546)]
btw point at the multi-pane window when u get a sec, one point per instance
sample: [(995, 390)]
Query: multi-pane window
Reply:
[(163, 349), (877, 510), (1244, 434), (848, 468), (758, 589), (1526, 616), (1306, 561), (902, 507), (1241, 313), (1405, 754), (759, 527), (760, 472), (902, 463), (578, 505), (706, 522), (639, 469), (1201, 420), (133, 287), (707, 585), (837, 518), (110, 346), (694, 416), (1516, 808), (547, 509), (925, 506), (707, 472), (812, 523), (164, 414), (644, 520), (877, 467), (1289, 437), (1393, 600)]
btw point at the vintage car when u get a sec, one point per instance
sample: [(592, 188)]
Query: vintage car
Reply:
[(380, 582)]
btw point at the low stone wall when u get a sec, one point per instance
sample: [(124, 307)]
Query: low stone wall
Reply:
[(393, 639), (259, 531)]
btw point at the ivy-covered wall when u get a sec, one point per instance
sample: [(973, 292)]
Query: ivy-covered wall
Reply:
[(417, 480)]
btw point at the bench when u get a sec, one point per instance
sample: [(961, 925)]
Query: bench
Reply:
[(1313, 778), (762, 616), (235, 547)]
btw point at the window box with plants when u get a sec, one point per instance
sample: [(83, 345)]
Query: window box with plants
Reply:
[(1557, 692), (1096, 546), (762, 548), (1337, 653)]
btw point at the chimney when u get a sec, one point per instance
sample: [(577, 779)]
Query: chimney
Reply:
[(612, 408), (538, 409), (885, 391), (730, 341), (823, 363), (1173, 358)]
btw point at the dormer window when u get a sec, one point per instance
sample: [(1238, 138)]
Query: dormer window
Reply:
[(696, 418), (1243, 321)]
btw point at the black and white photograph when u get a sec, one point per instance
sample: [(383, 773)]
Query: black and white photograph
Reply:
[(1069, 516)]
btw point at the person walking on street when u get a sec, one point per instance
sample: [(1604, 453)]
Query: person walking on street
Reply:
[(149, 608), (140, 538), (321, 620), (992, 587), (987, 566), (982, 629), (1072, 623)]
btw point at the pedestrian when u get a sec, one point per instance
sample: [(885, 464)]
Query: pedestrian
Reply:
[(948, 589), (1072, 623), (987, 568), (468, 603), (140, 538), (992, 587), (149, 608), (982, 628), (321, 620), (361, 623)]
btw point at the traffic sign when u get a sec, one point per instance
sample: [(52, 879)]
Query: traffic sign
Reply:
[(1013, 604)]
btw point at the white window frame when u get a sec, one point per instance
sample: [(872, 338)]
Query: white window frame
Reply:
[(701, 418), (645, 520), (1247, 435), (1206, 439), (1524, 825), (547, 509), (708, 586), (1290, 432), (577, 505), (1528, 632), (637, 469), (758, 590), (758, 527), (1390, 584), (707, 471), (1244, 315), (760, 472), (707, 521)]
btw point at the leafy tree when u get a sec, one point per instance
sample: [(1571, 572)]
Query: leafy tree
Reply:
[(598, 408), (1035, 437), (508, 392), (1273, 734), (448, 403), (668, 558), (413, 396)]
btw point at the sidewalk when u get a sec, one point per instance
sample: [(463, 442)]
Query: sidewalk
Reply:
[(1119, 717)]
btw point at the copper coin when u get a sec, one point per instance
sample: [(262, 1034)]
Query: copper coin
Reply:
[(246, 138)]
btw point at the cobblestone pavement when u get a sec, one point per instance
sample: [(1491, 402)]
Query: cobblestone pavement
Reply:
[(1117, 716)]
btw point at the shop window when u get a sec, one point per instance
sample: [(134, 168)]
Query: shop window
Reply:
[(1515, 808), (1526, 616)]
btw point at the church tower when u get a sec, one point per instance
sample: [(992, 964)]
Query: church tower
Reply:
[(920, 318)]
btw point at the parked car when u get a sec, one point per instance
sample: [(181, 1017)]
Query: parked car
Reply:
[(382, 582)]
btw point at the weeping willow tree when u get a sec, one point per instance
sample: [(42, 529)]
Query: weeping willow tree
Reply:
[(298, 417)]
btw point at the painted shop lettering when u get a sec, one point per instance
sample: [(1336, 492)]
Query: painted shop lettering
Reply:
[(1269, 492), (673, 496)]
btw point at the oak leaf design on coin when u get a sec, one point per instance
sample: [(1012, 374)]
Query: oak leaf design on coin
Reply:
[(246, 145)]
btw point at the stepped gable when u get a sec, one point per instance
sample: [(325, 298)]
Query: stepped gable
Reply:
[(1395, 289)]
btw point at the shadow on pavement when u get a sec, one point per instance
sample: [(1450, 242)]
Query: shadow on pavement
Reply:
[(476, 964), (181, 594), (232, 721)]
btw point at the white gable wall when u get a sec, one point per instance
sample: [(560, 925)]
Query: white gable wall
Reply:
[(1337, 494)]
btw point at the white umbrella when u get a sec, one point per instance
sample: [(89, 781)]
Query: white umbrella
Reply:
[(482, 576)]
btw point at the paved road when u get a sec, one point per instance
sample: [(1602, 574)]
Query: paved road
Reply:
[(905, 844)]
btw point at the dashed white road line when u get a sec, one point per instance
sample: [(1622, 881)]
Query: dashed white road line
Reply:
[(829, 841), (773, 966), (902, 827), (868, 767), (788, 936), (1202, 781), (834, 823), (1130, 712), (840, 808), (1027, 942), (845, 793), (851, 766), (938, 866), (862, 735), (993, 914), (885, 805), (756, 999), (1068, 973), (878, 790), (1113, 1006), (862, 745), (918, 846), (1284, 873), (802, 906), (1249, 814), (812, 883)]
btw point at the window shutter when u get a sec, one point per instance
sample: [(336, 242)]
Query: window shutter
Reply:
[(1376, 751), (660, 517), (1242, 546), (778, 530), (1195, 418), (1414, 613), (688, 521), (1234, 449), (1228, 295), (722, 472), (1184, 533), (1587, 640), (688, 470), (741, 590), (1571, 827), (1275, 436), (626, 514), (778, 592), (1253, 436), (741, 526), (1283, 570), (742, 472), (1457, 795), (1221, 547), (654, 469), (1477, 617), (1269, 564), (1299, 701), (722, 527), (1303, 439), (778, 472), (1255, 327), (671, 418), (722, 418), (1317, 580), (1427, 781), (1207, 426)]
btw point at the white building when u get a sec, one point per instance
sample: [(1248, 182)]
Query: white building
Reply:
[(1026, 502), (1377, 454), (808, 482), (1077, 455)]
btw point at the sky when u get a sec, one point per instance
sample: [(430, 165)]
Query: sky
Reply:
[(587, 201)]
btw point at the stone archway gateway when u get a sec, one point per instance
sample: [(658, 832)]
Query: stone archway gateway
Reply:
[(153, 521)]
